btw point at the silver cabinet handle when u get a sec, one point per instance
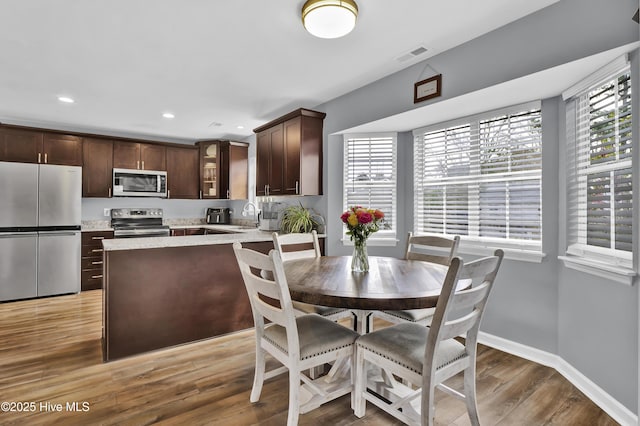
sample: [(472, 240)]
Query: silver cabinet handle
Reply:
[(96, 276), (168, 193), (97, 238), (297, 187), (138, 164), (96, 263), (39, 158), (142, 164), (228, 194), (201, 194), (97, 251), (45, 158), (109, 192)]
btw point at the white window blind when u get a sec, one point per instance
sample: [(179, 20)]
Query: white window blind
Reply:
[(599, 173), (481, 178), (370, 177)]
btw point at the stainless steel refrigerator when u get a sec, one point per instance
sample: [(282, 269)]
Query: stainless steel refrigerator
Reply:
[(40, 215)]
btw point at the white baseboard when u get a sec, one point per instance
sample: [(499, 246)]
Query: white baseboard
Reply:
[(610, 405)]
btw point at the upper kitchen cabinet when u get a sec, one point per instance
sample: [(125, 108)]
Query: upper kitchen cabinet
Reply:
[(235, 170), (270, 160), (224, 169), (62, 149), (139, 156), (31, 146), (289, 154), (20, 145), (97, 174), (182, 172)]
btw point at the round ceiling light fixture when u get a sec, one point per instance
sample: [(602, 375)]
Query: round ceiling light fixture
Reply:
[(329, 18)]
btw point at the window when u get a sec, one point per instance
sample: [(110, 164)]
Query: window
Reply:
[(480, 178), (600, 173), (370, 177)]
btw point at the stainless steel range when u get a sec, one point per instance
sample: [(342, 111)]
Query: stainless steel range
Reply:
[(136, 223)]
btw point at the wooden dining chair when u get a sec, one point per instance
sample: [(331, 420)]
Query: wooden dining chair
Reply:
[(425, 357), (298, 343), (304, 246), (432, 249)]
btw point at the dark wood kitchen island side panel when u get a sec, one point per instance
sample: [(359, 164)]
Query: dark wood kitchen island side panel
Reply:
[(161, 297)]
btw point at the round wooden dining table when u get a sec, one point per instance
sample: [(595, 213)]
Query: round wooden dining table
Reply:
[(390, 284)]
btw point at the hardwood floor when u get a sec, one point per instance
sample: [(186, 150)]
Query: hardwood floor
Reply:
[(50, 352)]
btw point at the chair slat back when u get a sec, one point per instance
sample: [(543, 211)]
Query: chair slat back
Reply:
[(418, 248), (281, 241), (452, 316), (263, 276)]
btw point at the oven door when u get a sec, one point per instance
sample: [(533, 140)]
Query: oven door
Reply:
[(139, 183)]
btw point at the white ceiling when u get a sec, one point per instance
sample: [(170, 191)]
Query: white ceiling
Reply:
[(240, 62)]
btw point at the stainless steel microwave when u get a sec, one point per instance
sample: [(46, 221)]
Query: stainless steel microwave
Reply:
[(139, 183)]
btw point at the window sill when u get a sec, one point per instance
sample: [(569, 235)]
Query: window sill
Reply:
[(375, 242), (509, 253), (603, 270)]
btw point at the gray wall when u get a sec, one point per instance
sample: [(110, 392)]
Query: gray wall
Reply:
[(592, 323)]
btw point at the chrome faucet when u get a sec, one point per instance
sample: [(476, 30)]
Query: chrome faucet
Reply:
[(256, 212)]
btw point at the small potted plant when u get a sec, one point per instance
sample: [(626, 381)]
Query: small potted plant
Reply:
[(298, 219)]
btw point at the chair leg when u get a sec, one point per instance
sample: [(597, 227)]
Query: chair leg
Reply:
[(315, 372), (359, 404), (428, 404), (294, 397), (258, 377), (470, 394)]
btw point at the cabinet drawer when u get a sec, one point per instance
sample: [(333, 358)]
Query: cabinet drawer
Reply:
[(92, 251), (94, 238), (92, 263), (91, 280), (95, 274)]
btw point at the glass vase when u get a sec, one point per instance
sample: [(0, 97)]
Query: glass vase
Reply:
[(360, 259)]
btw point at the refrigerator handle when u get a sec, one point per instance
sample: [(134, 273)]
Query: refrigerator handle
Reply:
[(17, 234)]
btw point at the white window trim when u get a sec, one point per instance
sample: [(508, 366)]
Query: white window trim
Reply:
[(614, 265), (380, 238), (600, 269), (513, 250), (520, 250)]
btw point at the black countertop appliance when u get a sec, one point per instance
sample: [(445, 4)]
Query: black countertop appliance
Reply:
[(218, 216)]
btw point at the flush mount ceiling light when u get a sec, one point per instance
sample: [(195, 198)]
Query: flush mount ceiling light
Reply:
[(329, 18), (168, 115), (65, 99)]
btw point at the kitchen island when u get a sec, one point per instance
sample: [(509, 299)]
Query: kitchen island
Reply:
[(166, 291)]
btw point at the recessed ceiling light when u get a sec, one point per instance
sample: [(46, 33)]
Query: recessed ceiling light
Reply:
[(240, 127), (65, 99), (168, 115)]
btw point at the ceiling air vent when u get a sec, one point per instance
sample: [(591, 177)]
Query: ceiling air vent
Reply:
[(412, 54)]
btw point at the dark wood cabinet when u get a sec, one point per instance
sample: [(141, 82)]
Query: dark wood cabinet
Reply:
[(289, 154), (32, 146), (139, 156), (224, 169), (235, 170), (182, 172), (97, 171), (270, 161), (22, 146), (62, 149), (91, 259)]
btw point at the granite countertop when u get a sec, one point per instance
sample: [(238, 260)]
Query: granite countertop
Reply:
[(105, 225), (240, 234)]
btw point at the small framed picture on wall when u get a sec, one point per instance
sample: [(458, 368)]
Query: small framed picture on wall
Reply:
[(427, 89)]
